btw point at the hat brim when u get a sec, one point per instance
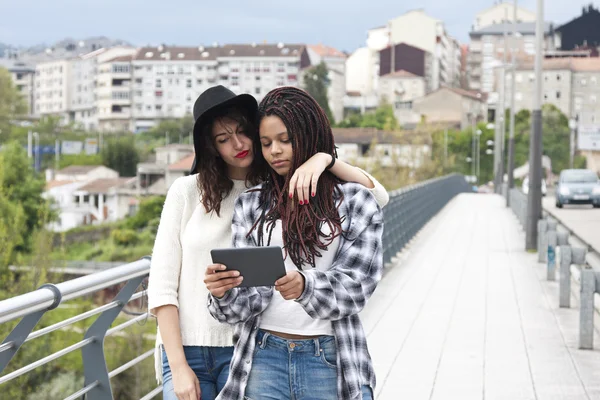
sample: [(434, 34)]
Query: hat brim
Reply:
[(245, 102)]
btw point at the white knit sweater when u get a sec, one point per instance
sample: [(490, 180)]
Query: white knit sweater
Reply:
[(185, 236)]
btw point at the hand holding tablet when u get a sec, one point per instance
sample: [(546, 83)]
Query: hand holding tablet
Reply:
[(259, 266)]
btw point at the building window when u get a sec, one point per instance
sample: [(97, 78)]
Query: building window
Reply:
[(199, 67), (558, 77), (158, 83), (138, 80), (518, 96), (257, 78), (198, 81), (188, 83), (120, 69), (257, 90), (593, 98), (593, 80), (158, 107), (545, 96), (158, 93), (583, 82), (557, 95)]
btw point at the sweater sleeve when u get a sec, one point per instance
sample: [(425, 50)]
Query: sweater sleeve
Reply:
[(379, 192), (165, 266)]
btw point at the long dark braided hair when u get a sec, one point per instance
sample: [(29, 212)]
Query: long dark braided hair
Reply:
[(310, 132)]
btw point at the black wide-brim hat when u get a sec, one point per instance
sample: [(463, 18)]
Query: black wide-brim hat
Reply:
[(212, 101)]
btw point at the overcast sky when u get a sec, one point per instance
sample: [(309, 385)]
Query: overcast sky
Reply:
[(338, 23)]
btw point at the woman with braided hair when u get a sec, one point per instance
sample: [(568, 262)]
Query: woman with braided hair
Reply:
[(193, 350), (302, 339)]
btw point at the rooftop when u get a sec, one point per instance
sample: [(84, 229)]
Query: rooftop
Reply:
[(104, 185), (78, 169), (326, 51), (524, 28), (401, 74), (185, 164)]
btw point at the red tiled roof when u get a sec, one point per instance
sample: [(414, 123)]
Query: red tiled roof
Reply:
[(326, 51), (53, 184), (103, 185), (185, 164), (401, 74)]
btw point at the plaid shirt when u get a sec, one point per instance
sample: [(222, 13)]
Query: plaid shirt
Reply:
[(337, 295)]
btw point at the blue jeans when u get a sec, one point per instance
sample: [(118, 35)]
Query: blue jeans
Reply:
[(294, 369), (210, 364)]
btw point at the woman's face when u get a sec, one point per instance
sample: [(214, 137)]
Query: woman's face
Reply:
[(233, 145), (276, 144)]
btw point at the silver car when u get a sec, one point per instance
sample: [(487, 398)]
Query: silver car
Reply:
[(578, 186)]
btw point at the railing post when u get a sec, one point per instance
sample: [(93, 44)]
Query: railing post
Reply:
[(542, 247), (551, 266), (564, 284), (94, 362), (19, 334), (586, 310)]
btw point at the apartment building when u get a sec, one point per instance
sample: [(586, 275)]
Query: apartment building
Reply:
[(335, 61), (22, 76), (420, 30), (167, 80), (51, 89), (501, 12), (487, 48), (571, 84)]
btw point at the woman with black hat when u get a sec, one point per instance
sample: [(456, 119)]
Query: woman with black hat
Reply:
[(193, 350)]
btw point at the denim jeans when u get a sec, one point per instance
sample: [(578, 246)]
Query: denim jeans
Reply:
[(294, 369), (210, 364)]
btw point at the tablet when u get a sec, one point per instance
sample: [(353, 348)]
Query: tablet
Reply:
[(260, 266)]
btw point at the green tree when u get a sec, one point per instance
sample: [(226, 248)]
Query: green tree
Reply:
[(21, 185), (121, 155), (382, 118), (12, 104), (149, 210), (316, 82)]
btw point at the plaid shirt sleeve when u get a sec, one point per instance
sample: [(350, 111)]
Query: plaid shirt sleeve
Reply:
[(241, 303), (344, 289)]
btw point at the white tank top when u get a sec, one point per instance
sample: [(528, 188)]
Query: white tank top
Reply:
[(287, 316)]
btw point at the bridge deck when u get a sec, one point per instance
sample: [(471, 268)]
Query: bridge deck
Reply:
[(468, 314)]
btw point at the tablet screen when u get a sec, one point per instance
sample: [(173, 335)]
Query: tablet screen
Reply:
[(260, 266)]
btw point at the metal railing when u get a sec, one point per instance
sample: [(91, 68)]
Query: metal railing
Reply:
[(410, 208), (408, 211), (577, 260)]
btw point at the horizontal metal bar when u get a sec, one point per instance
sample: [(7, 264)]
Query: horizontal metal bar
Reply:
[(43, 298), (83, 391), (6, 346), (153, 393), (44, 360), (138, 295), (126, 324), (131, 363), (67, 322)]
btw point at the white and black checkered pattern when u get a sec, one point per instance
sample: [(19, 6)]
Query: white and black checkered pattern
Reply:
[(338, 294)]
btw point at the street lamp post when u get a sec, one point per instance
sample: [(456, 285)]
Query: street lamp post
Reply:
[(534, 198), (511, 141), (573, 127)]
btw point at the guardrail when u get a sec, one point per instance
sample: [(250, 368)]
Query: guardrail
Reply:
[(410, 208), (408, 211), (577, 262)]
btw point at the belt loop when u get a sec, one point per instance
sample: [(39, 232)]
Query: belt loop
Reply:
[(317, 347), (263, 343)]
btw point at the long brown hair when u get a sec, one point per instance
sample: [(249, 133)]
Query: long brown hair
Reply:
[(213, 182), (310, 133)]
